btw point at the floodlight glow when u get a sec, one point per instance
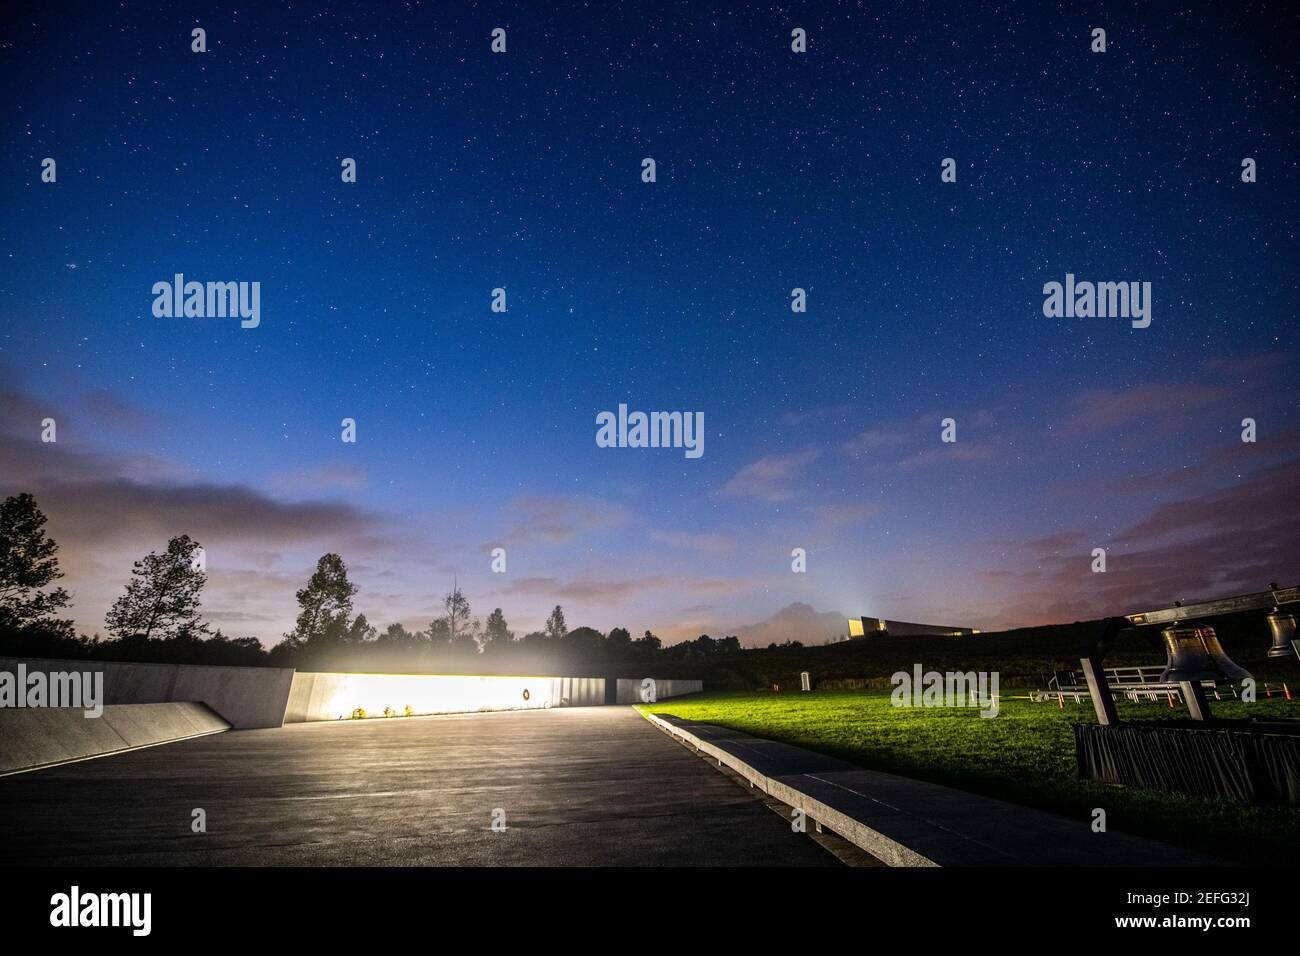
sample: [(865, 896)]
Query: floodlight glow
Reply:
[(378, 695)]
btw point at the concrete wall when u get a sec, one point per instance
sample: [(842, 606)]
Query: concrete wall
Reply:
[(325, 696), (270, 696), (34, 737), (578, 691), (244, 696), (629, 691)]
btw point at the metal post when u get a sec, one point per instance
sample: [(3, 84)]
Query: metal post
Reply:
[(1194, 695), (1099, 691)]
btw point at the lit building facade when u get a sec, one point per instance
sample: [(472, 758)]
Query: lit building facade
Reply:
[(867, 626)]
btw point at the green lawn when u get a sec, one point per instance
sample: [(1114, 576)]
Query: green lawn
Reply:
[(1025, 755)]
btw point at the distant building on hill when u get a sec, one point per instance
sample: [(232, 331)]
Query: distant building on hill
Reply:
[(867, 626)]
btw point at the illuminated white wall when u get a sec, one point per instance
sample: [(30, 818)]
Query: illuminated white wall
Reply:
[(336, 696)]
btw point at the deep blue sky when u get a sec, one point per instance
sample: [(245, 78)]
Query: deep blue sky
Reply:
[(775, 170)]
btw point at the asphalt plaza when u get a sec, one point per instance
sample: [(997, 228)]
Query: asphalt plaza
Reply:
[(575, 786)]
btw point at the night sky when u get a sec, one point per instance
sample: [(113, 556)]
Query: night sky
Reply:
[(775, 170)]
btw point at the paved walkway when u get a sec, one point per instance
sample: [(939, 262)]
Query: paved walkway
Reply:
[(588, 786), (907, 822)]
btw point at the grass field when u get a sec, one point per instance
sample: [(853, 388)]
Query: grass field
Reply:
[(1025, 755)]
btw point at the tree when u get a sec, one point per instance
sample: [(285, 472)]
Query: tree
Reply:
[(326, 603), (497, 635), (555, 626), (456, 608), (587, 642), (470, 637), (28, 562), (702, 646), (619, 643), (162, 599), (395, 635), (455, 627), (439, 632), (359, 631), (648, 644)]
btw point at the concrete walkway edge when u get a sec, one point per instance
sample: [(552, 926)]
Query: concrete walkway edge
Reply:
[(888, 851), (906, 822)]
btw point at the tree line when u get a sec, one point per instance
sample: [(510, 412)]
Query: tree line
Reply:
[(158, 617)]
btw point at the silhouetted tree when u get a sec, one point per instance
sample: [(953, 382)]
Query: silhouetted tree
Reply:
[(497, 635), (462, 632), (326, 604), (702, 646), (395, 635), (618, 643), (28, 562), (359, 631), (647, 645), (586, 642), (162, 599), (456, 610), (555, 626)]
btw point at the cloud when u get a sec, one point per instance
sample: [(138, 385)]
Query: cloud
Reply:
[(820, 413), (884, 444), (108, 408), (1101, 410), (609, 590), (1053, 544), (583, 589), (105, 509), (1258, 366), (1254, 506), (771, 478), (555, 519), (1228, 540), (794, 622), (98, 511), (703, 542), (840, 515), (94, 498), (321, 476), (871, 441), (948, 454)]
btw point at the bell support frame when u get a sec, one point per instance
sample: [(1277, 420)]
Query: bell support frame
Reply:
[(1110, 628)]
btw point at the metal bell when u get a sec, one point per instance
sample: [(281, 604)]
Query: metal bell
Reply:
[(1227, 666), (1194, 654), (1283, 628)]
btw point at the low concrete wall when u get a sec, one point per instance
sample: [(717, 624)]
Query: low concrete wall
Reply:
[(249, 697), (325, 696), (630, 691), (245, 696), (578, 691), (35, 737)]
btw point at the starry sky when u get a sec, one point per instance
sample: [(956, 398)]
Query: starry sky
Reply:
[(775, 170)]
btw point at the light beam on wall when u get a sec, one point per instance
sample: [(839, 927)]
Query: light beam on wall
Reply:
[(337, 696)]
